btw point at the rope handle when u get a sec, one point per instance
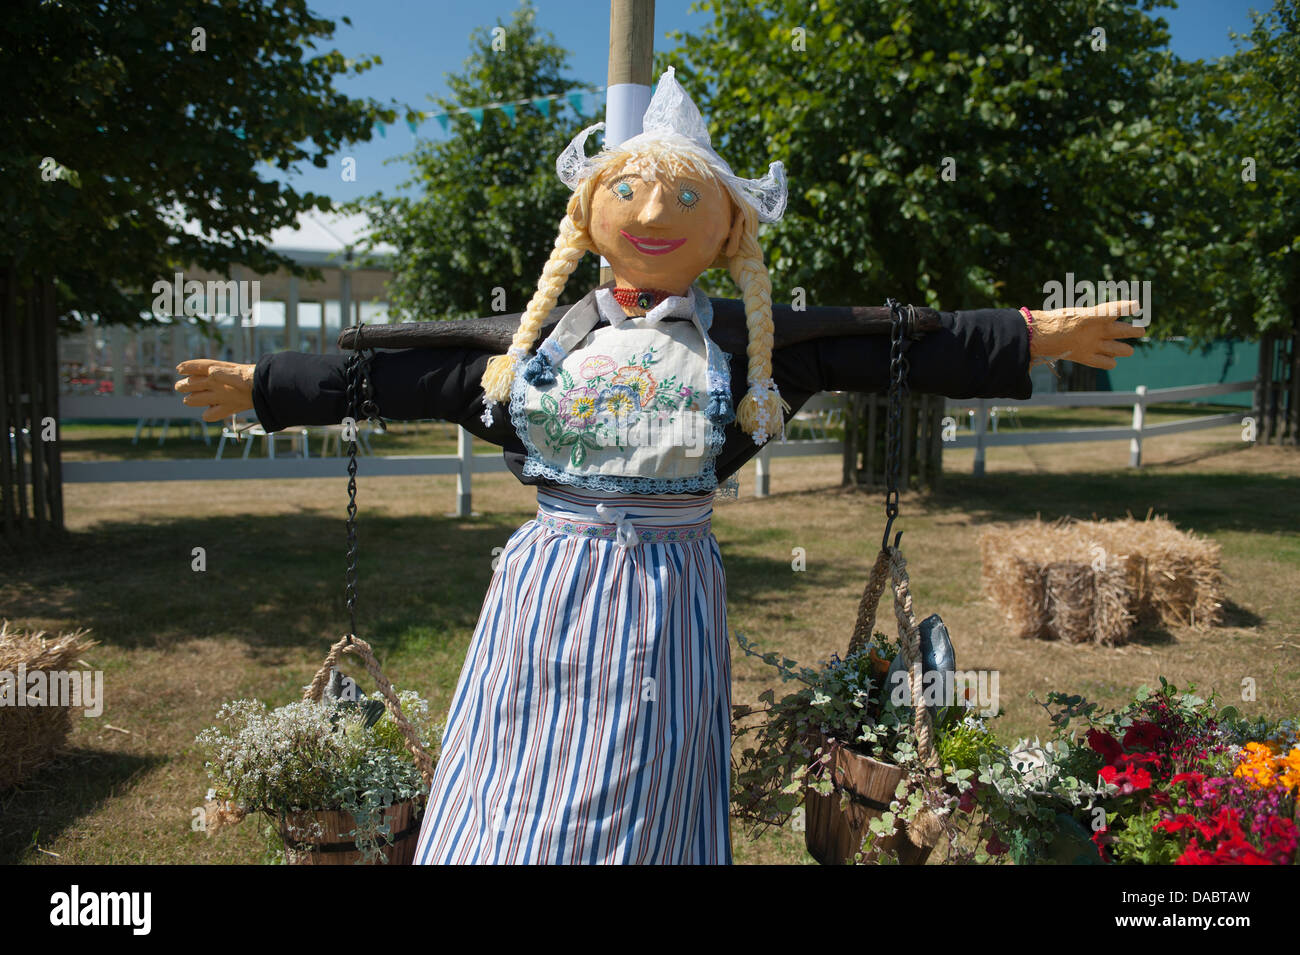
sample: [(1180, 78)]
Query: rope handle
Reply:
[(891, 565), (359, 648)]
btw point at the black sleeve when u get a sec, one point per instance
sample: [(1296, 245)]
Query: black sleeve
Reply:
[(983, 353), (294, 388)]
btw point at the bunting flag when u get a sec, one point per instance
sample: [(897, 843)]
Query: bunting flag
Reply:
[(382, 132), (543, 105)]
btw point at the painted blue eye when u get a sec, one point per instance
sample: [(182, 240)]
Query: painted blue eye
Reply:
[(623, 190), (688, 197)]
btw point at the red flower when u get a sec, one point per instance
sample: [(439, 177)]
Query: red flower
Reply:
[(1144, 736), (1128, 778), (1193, 855), (1101, 839), (1106, 745), (1192, 780), (1237, 851), (1150, 759)]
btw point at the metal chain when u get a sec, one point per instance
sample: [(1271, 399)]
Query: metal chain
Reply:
[(357, 361), (353, 367), (894, 416)]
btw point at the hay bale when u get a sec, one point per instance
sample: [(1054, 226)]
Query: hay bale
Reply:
[(1182, 579), (31, 736), (1094, 581)]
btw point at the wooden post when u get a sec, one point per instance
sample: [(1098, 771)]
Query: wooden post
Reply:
[(1139, 417), (873, 416), (854, 405), (631, 69), (11, 489), (762, 476), (936, 442), (1293, 399), (1264, 390), (981, 424)]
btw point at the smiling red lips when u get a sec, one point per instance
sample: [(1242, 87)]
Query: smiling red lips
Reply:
[(652, 246)]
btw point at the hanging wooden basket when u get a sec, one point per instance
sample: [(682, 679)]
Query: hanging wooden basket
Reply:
[(833, 834), (321, 837)]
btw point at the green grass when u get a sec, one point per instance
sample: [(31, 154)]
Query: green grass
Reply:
[(175, 643)]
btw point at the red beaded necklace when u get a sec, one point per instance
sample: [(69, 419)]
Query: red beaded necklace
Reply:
[(646, 298)]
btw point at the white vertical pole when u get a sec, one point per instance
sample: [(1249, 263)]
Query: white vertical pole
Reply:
[(345, 299), (117, 353), (1139, 417), (464, 476), (981, 427), (291, 316), (763, 474)]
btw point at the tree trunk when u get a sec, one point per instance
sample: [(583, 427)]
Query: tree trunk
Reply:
[(921, 465), (1079, 377), (31, 483)]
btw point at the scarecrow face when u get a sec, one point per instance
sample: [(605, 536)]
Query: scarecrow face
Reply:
[(657, 230)]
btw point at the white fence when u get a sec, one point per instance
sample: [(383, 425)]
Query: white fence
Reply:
[(464, 463), (981, 438)]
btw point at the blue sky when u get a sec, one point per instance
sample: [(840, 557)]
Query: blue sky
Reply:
[(421, 40)]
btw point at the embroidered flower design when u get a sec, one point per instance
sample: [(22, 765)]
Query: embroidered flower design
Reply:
[(619, 402), (597, 366), (578, 407), (597, 411), (639, 380)]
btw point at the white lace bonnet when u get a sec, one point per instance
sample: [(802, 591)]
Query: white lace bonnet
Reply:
[(672, 117)]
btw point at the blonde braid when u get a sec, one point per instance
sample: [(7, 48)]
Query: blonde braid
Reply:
[(570, 246), (762, 409)]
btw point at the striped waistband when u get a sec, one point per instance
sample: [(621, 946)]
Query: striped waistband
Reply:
[(629, 519)]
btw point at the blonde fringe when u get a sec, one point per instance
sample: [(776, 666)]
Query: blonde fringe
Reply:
[(499, 375), (761, 413)]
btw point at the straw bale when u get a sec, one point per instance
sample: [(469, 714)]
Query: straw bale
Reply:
[(1096, 581), (31, 736)]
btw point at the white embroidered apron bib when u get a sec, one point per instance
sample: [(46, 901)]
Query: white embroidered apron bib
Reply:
[(635, 406)]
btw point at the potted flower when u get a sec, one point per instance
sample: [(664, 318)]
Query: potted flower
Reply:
[(1189, 783), (845, 744), (336, 775), (1168, 778)]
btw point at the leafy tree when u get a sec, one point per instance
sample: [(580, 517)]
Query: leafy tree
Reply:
[(128, 118), (1226, 242), (489, 203), (953, 153)]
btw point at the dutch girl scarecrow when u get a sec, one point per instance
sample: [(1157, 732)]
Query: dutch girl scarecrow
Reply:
[(592, 718)]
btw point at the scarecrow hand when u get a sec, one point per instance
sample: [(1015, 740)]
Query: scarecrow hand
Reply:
[(1085, 335), (224, 386)]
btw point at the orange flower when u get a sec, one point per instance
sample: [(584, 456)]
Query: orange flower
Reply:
[(1261, 765)]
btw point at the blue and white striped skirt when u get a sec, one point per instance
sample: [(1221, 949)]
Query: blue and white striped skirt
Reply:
[(592, 719)]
